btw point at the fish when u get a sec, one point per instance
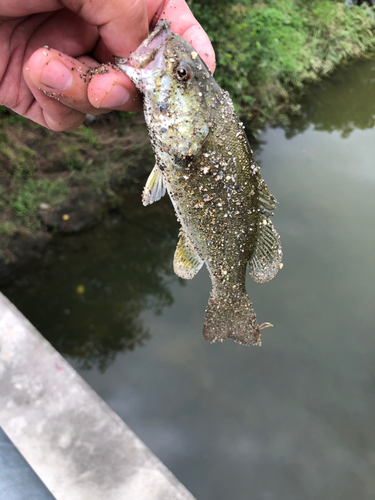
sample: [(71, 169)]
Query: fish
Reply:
[(205, 163)]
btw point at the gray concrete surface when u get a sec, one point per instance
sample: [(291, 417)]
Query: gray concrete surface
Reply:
[(76, 444), (17, 479)]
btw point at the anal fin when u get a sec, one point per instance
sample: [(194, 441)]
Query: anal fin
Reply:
[(186, 262), (154, 188)]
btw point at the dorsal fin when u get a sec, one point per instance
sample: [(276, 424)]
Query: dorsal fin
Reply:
[(186, 262), (266, 259), (154, 188)]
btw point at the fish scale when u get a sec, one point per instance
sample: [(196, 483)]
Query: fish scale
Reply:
[(205, 163)]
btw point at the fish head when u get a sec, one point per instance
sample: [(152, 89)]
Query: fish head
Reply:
[(178, 91)]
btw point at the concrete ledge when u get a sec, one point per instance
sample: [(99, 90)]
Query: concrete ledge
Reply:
[(76, 444)]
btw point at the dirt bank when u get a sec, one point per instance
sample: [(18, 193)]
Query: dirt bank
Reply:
[(63, 182)]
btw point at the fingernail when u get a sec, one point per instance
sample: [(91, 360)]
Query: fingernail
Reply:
[(116, 97), (56, 76)]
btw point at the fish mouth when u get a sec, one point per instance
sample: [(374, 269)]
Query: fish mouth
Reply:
[(148, 56)]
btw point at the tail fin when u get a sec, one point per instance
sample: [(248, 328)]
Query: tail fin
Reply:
[(232, 318)]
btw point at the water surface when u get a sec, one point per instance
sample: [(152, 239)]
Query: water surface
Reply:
[(294, 419)]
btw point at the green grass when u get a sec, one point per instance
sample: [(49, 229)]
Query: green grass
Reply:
[(18, 158), (267, 51), (26, 202), (71, 155), (17, 164), (7, 228), (87, 136)]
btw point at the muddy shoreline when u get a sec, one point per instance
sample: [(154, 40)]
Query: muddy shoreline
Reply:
[(94, 179)]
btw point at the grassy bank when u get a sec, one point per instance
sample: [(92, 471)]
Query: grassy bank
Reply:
[(268, 51), (40, 168)]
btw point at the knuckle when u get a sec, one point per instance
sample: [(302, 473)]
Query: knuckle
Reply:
[(65, 122)]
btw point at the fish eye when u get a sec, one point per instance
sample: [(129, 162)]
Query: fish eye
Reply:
[(184, 72)]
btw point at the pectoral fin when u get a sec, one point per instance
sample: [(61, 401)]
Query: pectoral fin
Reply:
[(186, 261), (154, 188)]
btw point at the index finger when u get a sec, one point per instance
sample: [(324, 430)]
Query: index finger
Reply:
[(122, 24)]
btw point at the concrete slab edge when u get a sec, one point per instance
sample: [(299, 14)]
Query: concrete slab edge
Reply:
[(76, 444)]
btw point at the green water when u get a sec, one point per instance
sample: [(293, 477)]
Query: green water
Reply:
[(292, 420)]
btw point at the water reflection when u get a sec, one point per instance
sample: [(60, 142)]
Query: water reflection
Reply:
[(102, 281), (344, 102)]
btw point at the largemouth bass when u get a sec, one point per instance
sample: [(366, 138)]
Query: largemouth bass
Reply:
[(205, 163)]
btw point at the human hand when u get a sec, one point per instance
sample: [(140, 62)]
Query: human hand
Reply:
[(53, 86)]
